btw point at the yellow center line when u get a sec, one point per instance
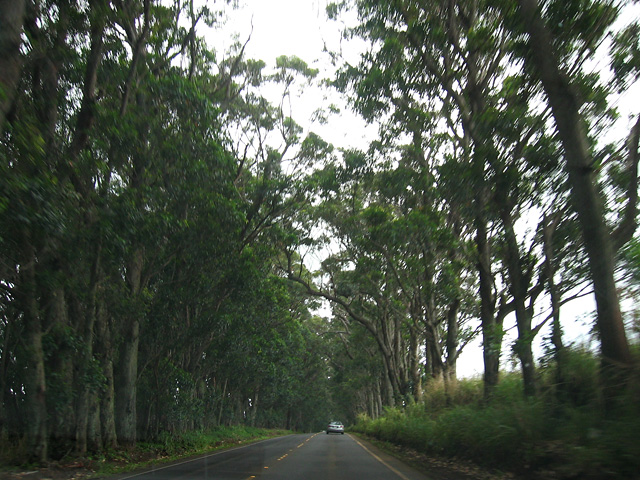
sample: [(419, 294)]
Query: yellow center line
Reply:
[(286, 454)]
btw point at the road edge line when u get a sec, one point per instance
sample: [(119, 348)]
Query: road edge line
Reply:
[(394, 470)]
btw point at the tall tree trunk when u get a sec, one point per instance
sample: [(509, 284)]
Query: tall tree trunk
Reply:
[(548, 228), (34, 380), (453, 331), (387, 390), (84, 390), (94, 429), (126, 419), (254, 407), (491, 331), (414, 364), (104, 355), (391, 381), (586, 199), (125, 390), (127, 372), (433, 351), (60, 365), (371, 403), (224, 394), (4, 359), (11, 22)]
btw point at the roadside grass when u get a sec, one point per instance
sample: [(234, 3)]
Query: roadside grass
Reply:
[(169, 447), (558, 434)]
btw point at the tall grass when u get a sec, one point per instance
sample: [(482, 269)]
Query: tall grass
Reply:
[(202, 441), (563, 432)]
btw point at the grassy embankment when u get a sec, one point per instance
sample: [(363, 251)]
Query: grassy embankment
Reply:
[(562, 433), (167, 448)]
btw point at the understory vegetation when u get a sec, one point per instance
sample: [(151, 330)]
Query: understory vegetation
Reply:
[(166, 448), (562, 433)]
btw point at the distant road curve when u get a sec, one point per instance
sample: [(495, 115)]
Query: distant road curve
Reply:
[(294, 457)]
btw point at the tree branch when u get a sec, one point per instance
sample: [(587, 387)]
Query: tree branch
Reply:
[(628, 226)]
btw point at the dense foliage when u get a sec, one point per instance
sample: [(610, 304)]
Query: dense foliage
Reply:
[(157, 212), (140, 200)]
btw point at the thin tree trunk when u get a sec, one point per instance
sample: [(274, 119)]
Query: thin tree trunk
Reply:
[(4, 358), (84, 390), (491, 331), (548, 229), (34, 380), (224, 394), (453, 331), (519, 288), (414, 362), (254, 407), (450, 372)]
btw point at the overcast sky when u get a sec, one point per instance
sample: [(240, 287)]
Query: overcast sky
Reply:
[(283, 27), (298, 28)]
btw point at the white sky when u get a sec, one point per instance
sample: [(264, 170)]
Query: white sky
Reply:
[(283, 27), (300, 28)]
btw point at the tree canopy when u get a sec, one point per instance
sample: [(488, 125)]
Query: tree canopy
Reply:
[(160, 211)]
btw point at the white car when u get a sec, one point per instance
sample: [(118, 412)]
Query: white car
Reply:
[(335, 427)]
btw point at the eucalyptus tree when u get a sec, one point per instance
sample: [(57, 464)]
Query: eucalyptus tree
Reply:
[(460, 60), (465, 57), (221, 209), (145, 177), (389, 240), (52, 112), (125, 216), (556, 58), (425, 231), (222, 213), (359, 284), (448, 60)]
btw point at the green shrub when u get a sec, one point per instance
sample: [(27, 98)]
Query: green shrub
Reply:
[(568, 435)]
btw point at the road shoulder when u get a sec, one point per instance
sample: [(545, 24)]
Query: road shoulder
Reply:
[(429, 467)]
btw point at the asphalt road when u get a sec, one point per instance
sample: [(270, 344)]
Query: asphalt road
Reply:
[(294, 457)]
